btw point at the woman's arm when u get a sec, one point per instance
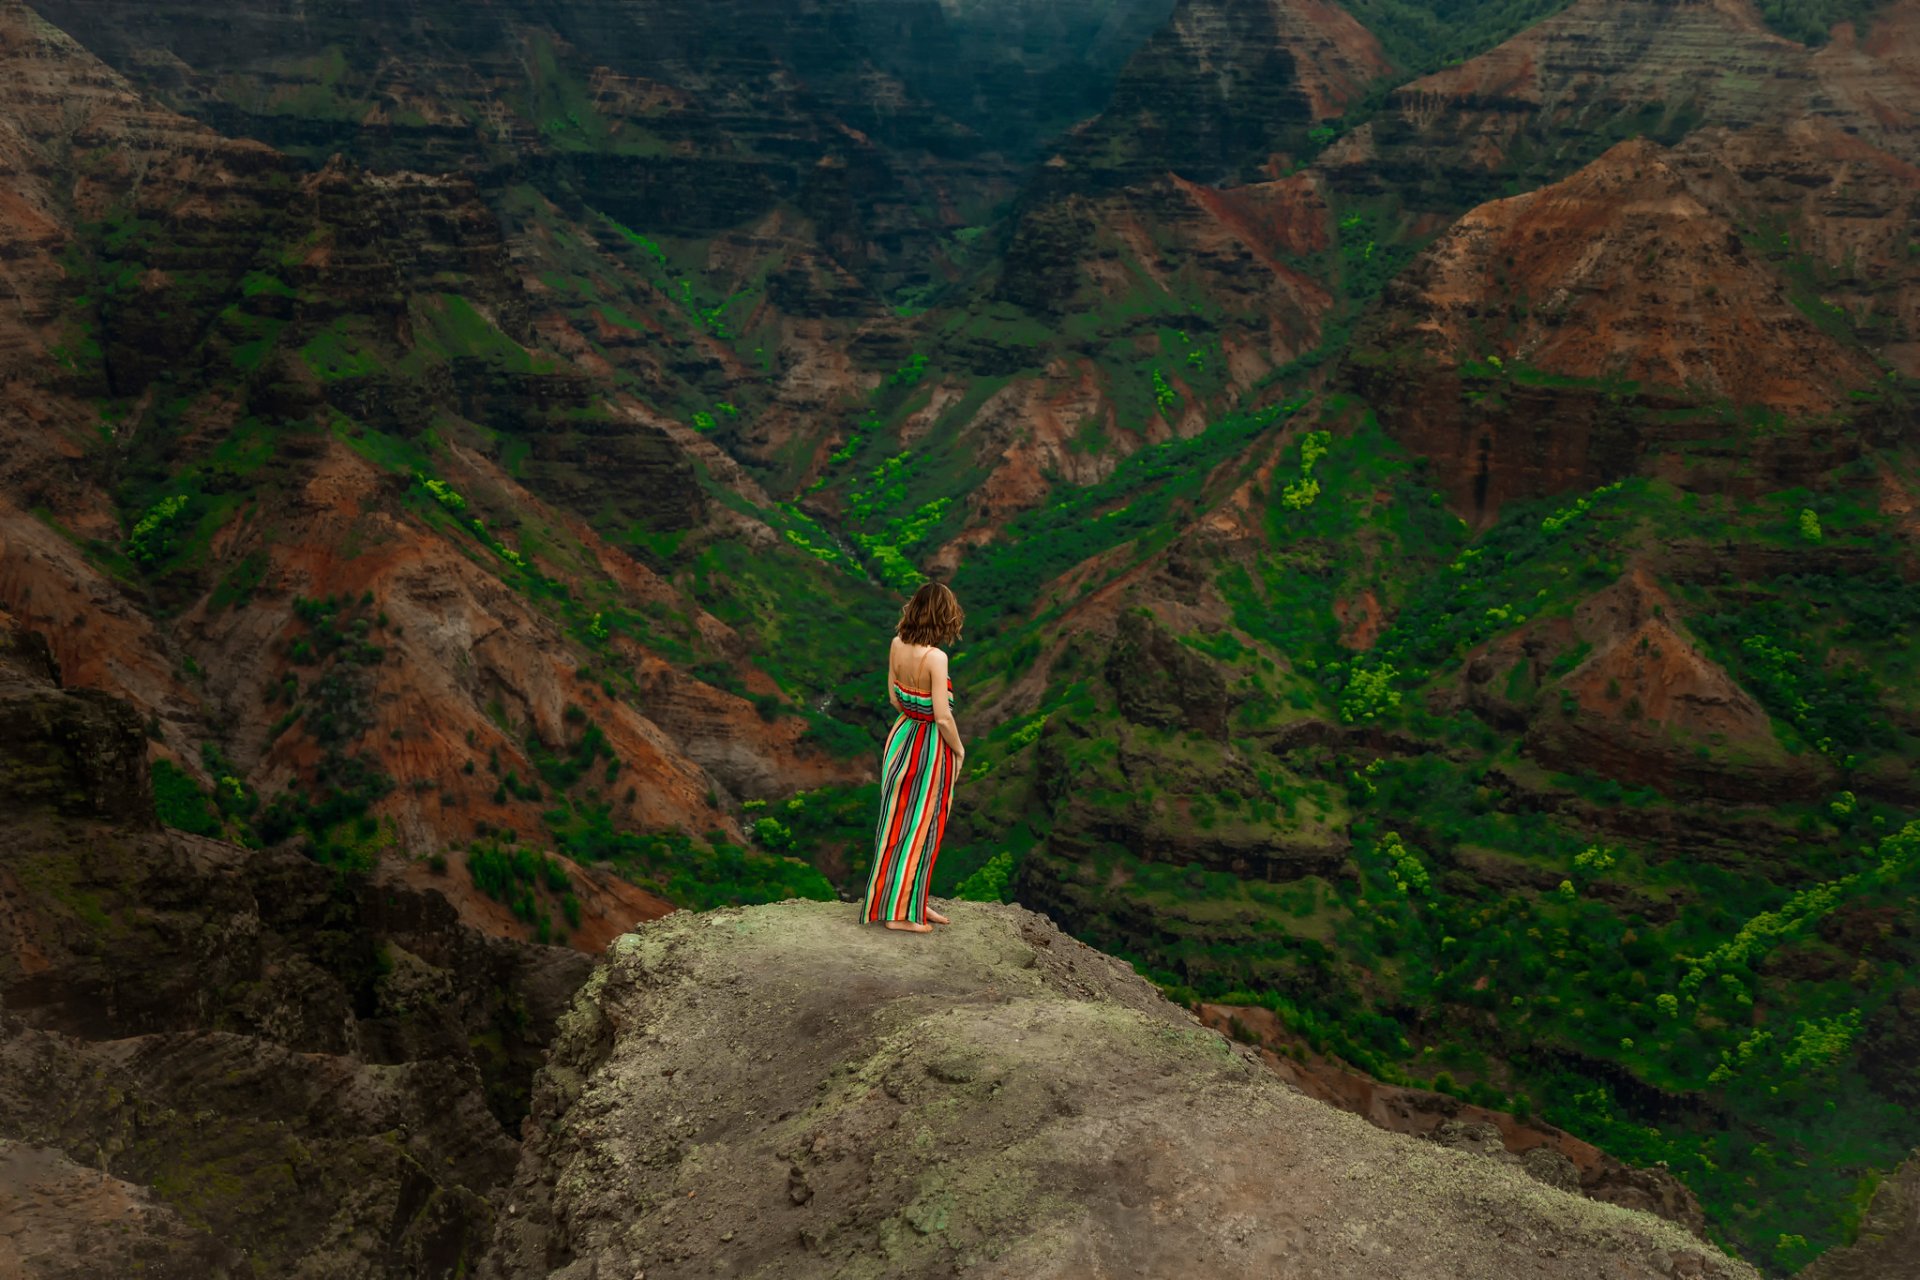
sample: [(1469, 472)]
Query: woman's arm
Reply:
[(943, 707), (893, 694)]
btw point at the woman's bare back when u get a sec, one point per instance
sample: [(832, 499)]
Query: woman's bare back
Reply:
[(918, 658)]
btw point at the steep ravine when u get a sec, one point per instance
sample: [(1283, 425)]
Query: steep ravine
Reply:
[(217, 1061)]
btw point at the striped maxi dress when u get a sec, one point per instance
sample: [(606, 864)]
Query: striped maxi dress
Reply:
[(916, 787)]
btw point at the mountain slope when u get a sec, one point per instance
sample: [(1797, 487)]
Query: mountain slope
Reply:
[(529, 476), (294, 489), (1639, 310)]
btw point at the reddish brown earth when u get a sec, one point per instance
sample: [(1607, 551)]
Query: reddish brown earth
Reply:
[(1649, 701), (1648, 707), (1627, 298), (1361, 618), (1623, 271), (1759, 263), (64, 1219)]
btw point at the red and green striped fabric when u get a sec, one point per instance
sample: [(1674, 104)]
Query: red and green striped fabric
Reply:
[(916, 785)]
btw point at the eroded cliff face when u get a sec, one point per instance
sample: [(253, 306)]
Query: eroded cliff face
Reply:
[(1224, 85), (280, 354), (877, 120), (995, 1097), (1786, 168), (1558, 93), (220, 1061), (1612, 323)]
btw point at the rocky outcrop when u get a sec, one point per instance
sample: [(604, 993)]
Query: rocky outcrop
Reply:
[(1541, 1150), (1160, 682), (779, 1090), (79, 753), (233, 1061), (65, 1221), (1889, 1236)]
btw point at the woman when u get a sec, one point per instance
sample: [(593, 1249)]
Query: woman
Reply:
[(923, 756)]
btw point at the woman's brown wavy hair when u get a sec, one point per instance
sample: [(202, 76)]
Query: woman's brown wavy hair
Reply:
[(933, 616)]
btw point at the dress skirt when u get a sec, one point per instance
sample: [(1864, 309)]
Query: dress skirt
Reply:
[(916, 788)]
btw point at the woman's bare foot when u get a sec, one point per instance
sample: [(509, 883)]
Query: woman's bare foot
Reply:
[(936, 917), (908, 926)]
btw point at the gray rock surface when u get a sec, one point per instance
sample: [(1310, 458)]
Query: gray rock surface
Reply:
[(1888, 1246), (777, 1091)]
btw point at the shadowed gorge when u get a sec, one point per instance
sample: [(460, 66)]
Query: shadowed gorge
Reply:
[(1434, 490)]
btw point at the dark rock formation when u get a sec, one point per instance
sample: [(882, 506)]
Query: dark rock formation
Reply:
[(1160, 682), (232, 1053)]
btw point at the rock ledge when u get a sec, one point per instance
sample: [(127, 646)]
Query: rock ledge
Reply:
[(778, 1091)]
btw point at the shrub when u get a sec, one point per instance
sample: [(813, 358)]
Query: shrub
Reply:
[(771, 833), (989, 883), (152, 538), (180, 803), (1369, 693)]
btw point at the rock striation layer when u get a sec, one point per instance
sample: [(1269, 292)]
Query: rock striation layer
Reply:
[(776, 1091)]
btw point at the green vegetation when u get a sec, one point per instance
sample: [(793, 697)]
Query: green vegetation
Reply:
[(180, 802), (1810, 21), (1422, 35), (989, 883), (526, 881), (1136, 504), (695, 873), (1301, 493), (152, 538), (338, 352), (562, 768)]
